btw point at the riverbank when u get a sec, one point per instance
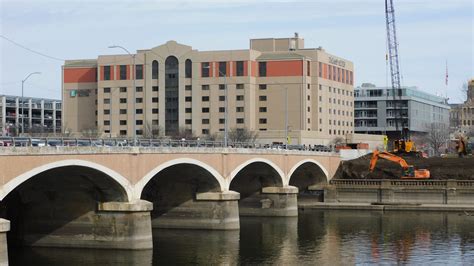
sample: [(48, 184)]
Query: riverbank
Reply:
[(468, 210)]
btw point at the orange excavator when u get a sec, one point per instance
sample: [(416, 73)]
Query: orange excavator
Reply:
[(408, 170)]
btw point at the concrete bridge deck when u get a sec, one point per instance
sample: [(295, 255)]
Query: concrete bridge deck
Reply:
[(111, 197)]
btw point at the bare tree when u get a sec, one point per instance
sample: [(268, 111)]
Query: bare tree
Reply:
[(242, 135), (338, 141), (437, 136), (152, 131), (212, 137), (183, 133), (93, 132), (464, 90)]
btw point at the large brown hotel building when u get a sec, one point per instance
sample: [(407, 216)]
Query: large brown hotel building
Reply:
[(177, 87)]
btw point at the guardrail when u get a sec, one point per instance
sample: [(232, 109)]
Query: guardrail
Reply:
[(384, 183), (150, 143)]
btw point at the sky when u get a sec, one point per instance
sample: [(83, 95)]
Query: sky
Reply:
[(430, 33)]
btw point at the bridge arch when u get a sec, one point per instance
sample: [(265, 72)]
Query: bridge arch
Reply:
[(17, 181), (275, 167), (307, 172), (144, 181)]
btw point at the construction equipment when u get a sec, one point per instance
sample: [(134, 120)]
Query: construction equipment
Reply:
[(461, 146), (402, 143), (409, 171)]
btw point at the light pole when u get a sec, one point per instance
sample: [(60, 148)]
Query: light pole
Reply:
[(134, 91), (22, 101), (226, 130)]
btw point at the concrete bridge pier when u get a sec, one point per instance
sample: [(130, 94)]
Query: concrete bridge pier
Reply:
[(209, 210), (272, 201), (113, 225), (4, 228)]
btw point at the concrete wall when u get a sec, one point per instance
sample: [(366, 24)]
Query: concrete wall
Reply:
[(401, 191)]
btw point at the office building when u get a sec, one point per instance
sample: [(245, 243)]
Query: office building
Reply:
[(174, 87), (375, 111)]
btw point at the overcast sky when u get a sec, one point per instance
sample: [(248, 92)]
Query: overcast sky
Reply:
[(429, 33)]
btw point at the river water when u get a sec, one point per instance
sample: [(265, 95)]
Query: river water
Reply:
[(314, 238)]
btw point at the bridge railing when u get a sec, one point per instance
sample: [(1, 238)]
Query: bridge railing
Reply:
[(148, 143)]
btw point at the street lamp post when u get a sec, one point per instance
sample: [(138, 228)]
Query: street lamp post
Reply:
[(134, 91), (22, 101)]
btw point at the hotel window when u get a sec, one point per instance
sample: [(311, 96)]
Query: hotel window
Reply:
[(262, 86), (188, 121), (222, 69), (239, 86), (309, 98), (205, 131), (221, 109), (106, 101), (262, 109), (154, 69), (123, 122), (106, 112), (334, 73), (320, 98), (239, 109), (154, 110), (188, 98), (106, 90), (221, 86), (308, 68), (123, 89), (239, 97), (205, 98), (338, 74), (205, 66), (262, 98), (240, 120), (221, 121), (262, 69), (106, 72), (123, 111), (139, 122), (139, 111), (240, 68), (139, 71), (106, 122), (154, 88), (205, 109), (205, 87), (262, 121), (329, 73), (123, 72), (123, 100), (188, 87), (188, 71), (205, 121), (123, 132), (139, 100), (154, 99), (320, 71), (139, 132), (188, 110), (139, 89), (221, 98)]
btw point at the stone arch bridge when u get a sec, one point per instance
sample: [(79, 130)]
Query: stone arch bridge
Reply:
[(105, 196)]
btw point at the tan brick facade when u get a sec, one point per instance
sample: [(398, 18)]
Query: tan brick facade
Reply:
[(320, 90)]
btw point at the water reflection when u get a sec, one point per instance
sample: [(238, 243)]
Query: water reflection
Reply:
[(315, 237)]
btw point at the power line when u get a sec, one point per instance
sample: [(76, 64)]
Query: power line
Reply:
[(31, 50)]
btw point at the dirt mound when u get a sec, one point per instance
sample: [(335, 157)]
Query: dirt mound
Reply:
[(440, 168)]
